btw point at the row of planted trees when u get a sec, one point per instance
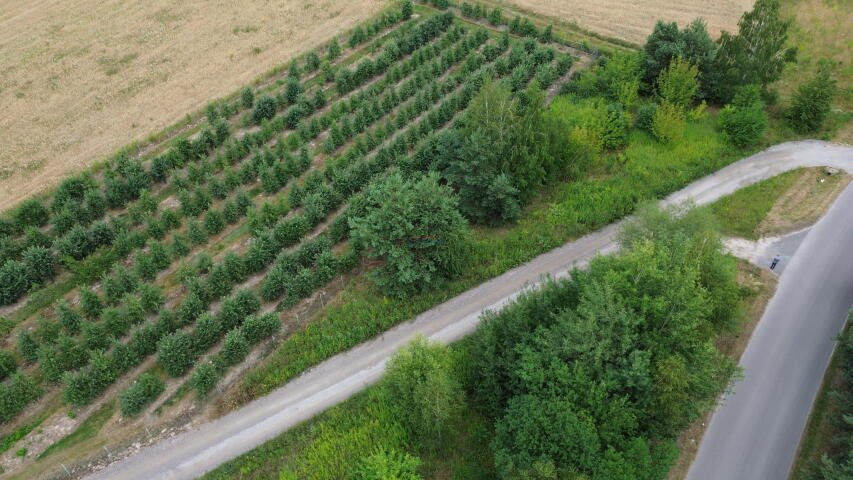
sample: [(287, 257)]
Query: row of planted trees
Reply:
[(106, 320), (315, 197)]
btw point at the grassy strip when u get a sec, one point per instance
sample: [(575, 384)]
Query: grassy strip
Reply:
[(7, 441), (86, 430), (645, 170), (740, 214)]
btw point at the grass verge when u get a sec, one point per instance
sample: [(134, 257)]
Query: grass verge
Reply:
[(741, 213), (86, 430)]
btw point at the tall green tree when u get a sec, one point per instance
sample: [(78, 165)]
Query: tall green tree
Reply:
[(414, 227), (677, 84), (693, 43), (757, 54)]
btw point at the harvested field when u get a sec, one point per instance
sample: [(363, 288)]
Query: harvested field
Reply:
[(632, 20), (81, 78)]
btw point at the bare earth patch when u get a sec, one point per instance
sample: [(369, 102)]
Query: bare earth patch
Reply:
[(633, 20), (804, 202), (81, 78)]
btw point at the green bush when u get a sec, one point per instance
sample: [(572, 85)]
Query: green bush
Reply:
[(176, 353), (247, 97), (744, 121), (645, 117), (90, 303), (40, 263), (143, 391), (208, 329), (14, 281), (27, 346), (234, 347), (204, 378), (8, 365), (421, 379), (812, 102), (387, 465), (264, 109), (260, 327), (15, 394), (30, 212), (415, 228), (214, 222), (668, 123), (68, 317)]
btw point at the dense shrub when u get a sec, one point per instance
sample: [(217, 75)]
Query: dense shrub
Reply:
[(208, 330), (68, 317), (412, 225), (15, 394), (426, 391), (14, 281), (27, 346), (387, 465), (8, 365), (644, 119), (812, 101), (140, 393), (668, 123), (204, 378), (247, 97), (40, 263), (176, 353), (30, 212), (260, 327), (234, 347), (264, 109), (90, 303), (744, 121)]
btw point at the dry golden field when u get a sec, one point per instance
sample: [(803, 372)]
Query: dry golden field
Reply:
[(81, 78), (633, 20)]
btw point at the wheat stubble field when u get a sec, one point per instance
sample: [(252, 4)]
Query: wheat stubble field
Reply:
[(632, 20), (81, 78)]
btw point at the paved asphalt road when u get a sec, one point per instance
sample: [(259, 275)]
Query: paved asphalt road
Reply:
[(191, 454), (755, 432)]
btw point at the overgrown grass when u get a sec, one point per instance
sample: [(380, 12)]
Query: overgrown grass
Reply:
[(740, 214), (86, 430), (645, 169), (328, 446)]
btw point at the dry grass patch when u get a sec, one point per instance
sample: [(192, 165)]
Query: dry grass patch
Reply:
[(804, 202), (633, 20), (81, 78)]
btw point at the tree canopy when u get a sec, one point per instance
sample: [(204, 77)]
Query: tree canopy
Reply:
[(414, 227), (595, 375)]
